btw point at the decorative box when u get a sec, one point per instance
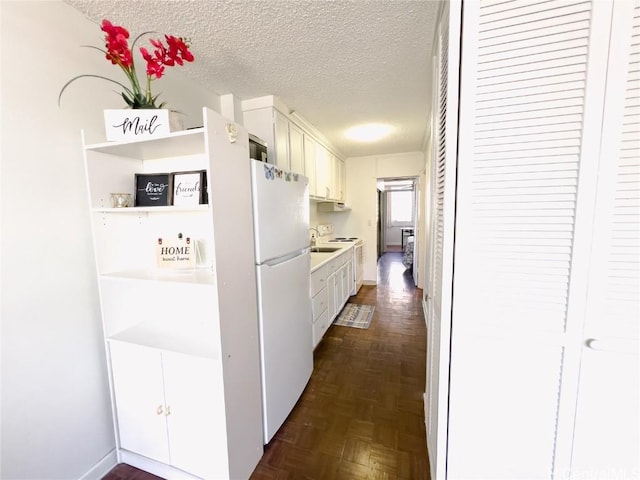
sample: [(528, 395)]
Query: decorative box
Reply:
[(134, 124)]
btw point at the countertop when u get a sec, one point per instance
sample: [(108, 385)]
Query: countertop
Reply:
[(318, 259)]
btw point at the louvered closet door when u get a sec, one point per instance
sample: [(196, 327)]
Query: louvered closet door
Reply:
[(526, 72), (442, 195), (607, 421)]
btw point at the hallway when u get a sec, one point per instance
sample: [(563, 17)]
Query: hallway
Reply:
[(361, 415)]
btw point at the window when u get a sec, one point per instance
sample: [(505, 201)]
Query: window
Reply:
[(400, 208)]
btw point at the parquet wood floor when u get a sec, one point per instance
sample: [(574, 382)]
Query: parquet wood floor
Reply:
[(361, 414)]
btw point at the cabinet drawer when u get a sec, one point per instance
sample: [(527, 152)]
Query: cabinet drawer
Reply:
[(318, 280), (319, 327), (346, 257), (319, 303)]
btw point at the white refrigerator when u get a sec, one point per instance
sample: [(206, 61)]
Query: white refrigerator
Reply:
[(281, 225)]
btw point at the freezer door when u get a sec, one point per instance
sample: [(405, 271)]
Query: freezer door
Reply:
[(280, 211), (285, 337)]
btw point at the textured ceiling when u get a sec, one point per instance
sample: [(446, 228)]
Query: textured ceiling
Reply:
[(336, 63)]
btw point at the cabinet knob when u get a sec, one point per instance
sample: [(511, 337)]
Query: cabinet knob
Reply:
[(159, 410), (167, 412)]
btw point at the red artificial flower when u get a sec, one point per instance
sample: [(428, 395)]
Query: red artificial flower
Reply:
[(118, 51), (178, 49), (155, 66)]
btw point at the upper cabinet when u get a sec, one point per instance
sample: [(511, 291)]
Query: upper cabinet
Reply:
[(292, 147), (278, 148), (296, 149), (310, 147)]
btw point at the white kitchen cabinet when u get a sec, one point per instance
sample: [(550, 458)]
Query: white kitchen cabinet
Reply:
[(319, 304), (310, 164), (271, 126), (189, 335), (332, 296), (323, 166), (285, 147), (341, 183), (281, 141), (296, 149), (336, 179), (169, 408), (340, 280), (140, 404)]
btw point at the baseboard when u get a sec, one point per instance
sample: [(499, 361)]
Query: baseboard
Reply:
[(101, 468), (424, 405), (151, 466), (369, 282), (425, 313), (432, 461)]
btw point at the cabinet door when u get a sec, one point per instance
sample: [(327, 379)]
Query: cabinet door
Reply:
[(322, 171), (336, 181), (345, 284), (338, 289), (310, 164), (281, 129), (341, 180), (140, 405), (195, 421), (333, 176), (331, 297), (296, 149)]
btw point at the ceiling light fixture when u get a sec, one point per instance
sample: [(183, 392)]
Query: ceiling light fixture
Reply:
[(369, 132)]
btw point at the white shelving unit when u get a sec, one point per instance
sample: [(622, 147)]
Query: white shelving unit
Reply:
[(163, 326)]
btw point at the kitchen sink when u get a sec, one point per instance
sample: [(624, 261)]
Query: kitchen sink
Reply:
[(323, 249)]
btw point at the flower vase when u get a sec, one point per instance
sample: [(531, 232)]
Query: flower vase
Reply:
[(136, 124), (176, 121)]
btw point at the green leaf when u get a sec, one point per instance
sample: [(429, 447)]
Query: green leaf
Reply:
[(90, 76)]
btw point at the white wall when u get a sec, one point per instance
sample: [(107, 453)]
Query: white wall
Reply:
[(362, 173), (55, 412)]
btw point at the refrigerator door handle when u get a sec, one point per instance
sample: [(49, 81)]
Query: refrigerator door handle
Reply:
[(284, 258)]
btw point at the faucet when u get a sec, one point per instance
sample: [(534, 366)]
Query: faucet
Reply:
[(313, 238)]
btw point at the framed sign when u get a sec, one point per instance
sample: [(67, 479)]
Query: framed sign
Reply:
[(190, 188), (176, 253), (153, 190)]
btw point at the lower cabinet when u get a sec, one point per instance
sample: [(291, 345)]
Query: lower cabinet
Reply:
[(319, 304), (170, 408), (331, 287), (332, 290)]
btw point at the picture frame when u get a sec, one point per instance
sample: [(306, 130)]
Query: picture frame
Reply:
[(153, 189), (189, 188)]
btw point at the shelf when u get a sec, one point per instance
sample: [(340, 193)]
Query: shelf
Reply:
[(202, 276), (167, 209), (197, 343), (183, 143)]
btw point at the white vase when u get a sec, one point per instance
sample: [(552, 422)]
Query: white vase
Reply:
[(130, 124)]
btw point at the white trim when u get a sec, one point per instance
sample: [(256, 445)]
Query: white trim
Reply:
[(151, 466), (102, 467)]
